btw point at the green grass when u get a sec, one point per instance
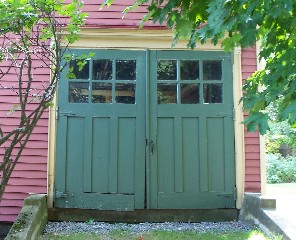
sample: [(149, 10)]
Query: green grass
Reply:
[(163, 235)]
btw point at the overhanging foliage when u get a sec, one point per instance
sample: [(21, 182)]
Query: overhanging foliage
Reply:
[(242, 23)]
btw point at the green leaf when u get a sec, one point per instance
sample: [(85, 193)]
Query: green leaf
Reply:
[(257, 121)]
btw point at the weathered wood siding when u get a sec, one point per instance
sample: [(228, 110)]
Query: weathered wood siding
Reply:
[(252, 144)]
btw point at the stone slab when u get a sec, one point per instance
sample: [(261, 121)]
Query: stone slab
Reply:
[(31, 220)]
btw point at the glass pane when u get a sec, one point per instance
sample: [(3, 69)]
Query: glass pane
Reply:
[(126, 69), (102, 69), (78, 92), (167, 70), (189, 70), (189, 93), (166, 93), (83, 73), (212, 70), (212, 93), (125, 93), (102, 92)]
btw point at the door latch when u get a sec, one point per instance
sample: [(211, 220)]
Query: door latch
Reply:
[(59, 194), (152, 145)]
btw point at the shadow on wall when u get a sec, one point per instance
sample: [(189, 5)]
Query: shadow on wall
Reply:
[(4, 229)]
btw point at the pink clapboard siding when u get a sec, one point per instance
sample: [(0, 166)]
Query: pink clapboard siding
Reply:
[(252, 144), (111, 17), (30, 175)]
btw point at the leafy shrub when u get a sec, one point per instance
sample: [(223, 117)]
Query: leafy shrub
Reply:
[(280, 135), (272, 146), (280, 169)]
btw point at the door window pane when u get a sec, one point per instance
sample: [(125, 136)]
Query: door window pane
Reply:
[(102, 69), (79, 74), (125, 93), (102, 92), (212, 93), (78, 92), (189, 70), (126, 70), (166, 93), (189, 93), (212, 70), (167, 70)]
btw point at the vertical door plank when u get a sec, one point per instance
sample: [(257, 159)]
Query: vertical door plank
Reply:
[(178, 150), (113, 167), (101, 154), (126, 155), (203, 143), (191, 157), (152, 159), (165, 155), (60, 181), (141, 120), (87, 158), (74, 168), (215, 133), (229, 153)]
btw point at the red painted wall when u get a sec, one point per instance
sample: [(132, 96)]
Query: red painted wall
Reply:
[(30, 175), (252, 145), (112, 16)]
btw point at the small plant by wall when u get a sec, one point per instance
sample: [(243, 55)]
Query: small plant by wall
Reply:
[(280, 143)]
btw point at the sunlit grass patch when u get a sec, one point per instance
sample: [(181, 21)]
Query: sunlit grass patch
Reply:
[(163, 235)]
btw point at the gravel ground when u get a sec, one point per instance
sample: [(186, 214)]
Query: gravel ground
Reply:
[(105, 228)]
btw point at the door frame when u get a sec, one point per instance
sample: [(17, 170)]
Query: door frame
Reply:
[(126, 39)]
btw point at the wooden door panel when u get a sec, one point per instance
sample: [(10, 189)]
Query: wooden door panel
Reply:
[(200, 200), (126, 155), (101, 133), (191, 120), (118, 202), (216, 157), (191, 154), (101, 155), (200, 174)]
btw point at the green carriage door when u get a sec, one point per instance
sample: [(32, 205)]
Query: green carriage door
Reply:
[(181, 112), (191, 130), (101, 133)]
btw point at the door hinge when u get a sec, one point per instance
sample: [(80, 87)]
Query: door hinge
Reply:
[(233, 114), (57, 113), (58, 194), (229, 194), (235, 193), (67, 113)]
